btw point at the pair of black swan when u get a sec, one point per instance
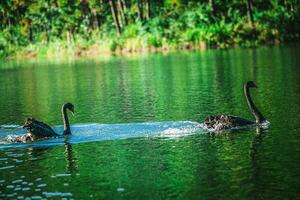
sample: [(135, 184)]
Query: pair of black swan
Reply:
[(38, 130)]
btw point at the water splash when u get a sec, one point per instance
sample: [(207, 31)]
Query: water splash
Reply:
[(97, 132), (92, 132)]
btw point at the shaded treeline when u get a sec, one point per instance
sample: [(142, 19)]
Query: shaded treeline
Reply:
[(140, 24)]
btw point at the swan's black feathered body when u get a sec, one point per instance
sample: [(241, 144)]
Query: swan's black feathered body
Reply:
[(37, 129), (220, 122)]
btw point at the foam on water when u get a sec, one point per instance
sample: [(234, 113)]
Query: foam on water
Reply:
[(98, 132)]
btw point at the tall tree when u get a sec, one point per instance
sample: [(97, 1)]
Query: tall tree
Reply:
[(95, 22), (148, 11), (122, 11), (212, 4), (124, 4), (140, 9), (250, 11), (85, 7), (115, 16)]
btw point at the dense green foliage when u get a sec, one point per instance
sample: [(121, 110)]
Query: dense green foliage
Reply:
[(51, 26)]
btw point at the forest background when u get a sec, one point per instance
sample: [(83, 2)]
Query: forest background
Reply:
[(39, 28)]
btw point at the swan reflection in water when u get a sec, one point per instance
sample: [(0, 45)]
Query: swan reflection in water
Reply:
[(70, 155), (256, 143), (71, 158), (257, 155)]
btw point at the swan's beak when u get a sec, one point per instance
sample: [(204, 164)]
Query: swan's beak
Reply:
[(73, 112)]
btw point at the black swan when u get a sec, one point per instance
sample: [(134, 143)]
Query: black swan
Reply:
[(220, 122), (37, 130)]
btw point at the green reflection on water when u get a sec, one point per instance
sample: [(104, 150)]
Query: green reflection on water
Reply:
[(171, 87)]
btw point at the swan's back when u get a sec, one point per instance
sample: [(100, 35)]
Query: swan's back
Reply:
[(219, 122), (39, 129)]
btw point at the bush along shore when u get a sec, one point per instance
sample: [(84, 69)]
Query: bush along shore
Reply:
[(56, 28)]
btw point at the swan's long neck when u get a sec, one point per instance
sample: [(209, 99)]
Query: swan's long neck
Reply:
[(257, 114), (67, 129)]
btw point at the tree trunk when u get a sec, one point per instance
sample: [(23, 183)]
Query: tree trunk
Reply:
[(250, 12), (85, 7), (121, 9), (2, 18), (86, 13), (115, 16), (47, 30), (68, 38), (140, 9), (124, 4), (95, 20), (212, 4), (56, 4), (30, 31), (148, 14)]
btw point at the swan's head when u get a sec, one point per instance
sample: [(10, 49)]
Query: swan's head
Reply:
[(70, 107), (251, 84)]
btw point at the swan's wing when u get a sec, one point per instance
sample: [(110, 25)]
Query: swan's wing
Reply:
[(219, 122), (38, 128)]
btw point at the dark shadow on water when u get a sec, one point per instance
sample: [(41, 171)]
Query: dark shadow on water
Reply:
[(256, 176), (256, 143), (71, 157)]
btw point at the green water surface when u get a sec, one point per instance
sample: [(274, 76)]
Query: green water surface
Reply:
[(186, 86)]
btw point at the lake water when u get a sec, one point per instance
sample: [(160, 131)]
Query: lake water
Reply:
[(137, 130)]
